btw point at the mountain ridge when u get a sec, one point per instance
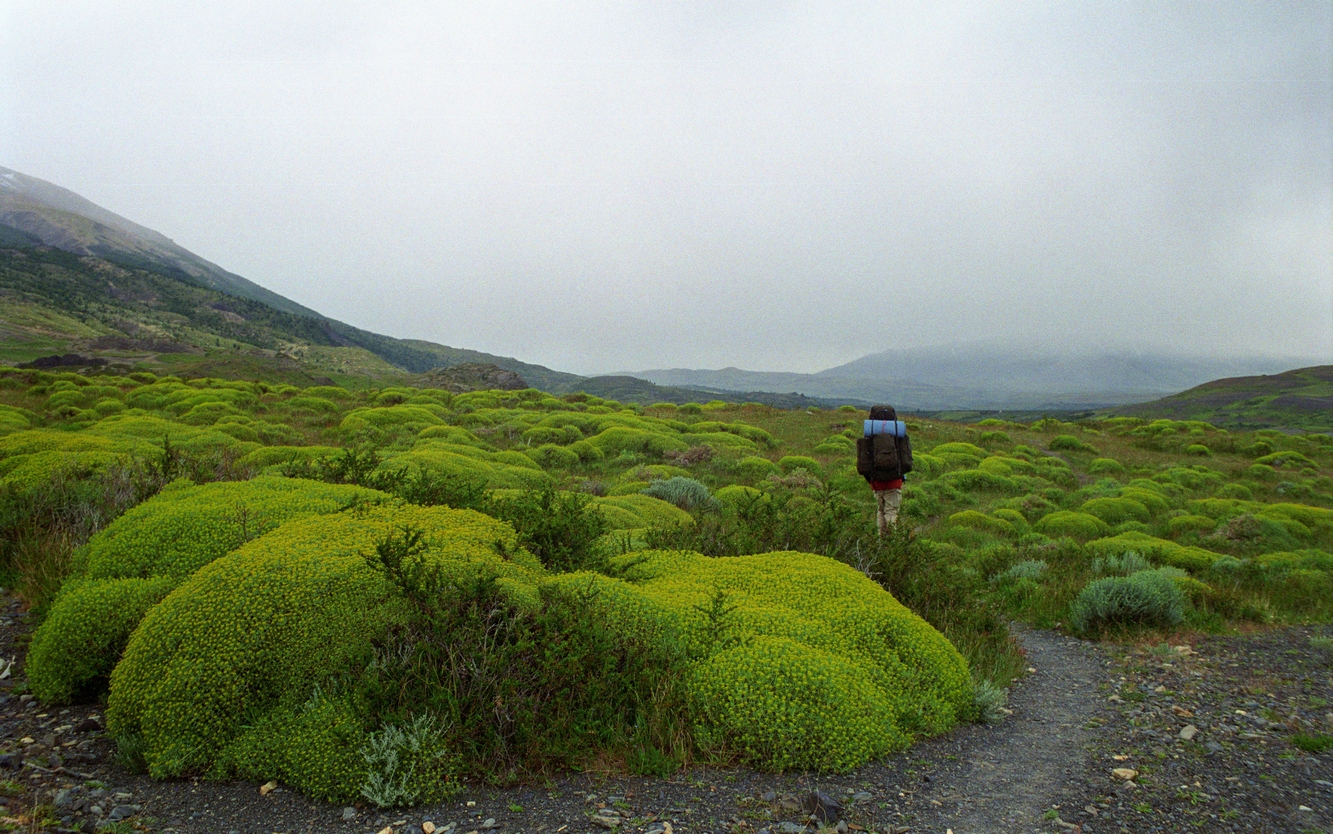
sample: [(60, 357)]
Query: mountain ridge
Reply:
[(62, 219), (984, 376)]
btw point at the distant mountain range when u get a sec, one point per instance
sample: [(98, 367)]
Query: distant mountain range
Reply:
[(80, 281), (986, 377)]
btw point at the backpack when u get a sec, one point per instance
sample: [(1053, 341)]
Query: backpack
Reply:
[(883, 457)]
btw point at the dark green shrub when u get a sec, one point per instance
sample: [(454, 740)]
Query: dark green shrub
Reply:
[(559, 528), (1148, 598)]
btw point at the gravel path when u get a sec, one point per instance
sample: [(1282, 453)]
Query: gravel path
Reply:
[(1008, 777), (1084, 710)]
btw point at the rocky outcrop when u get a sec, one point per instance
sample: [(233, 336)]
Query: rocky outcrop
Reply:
[(473, 376)]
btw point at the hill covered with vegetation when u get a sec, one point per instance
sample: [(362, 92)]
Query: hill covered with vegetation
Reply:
[(498, 584), (1296, 400), (61, 308)]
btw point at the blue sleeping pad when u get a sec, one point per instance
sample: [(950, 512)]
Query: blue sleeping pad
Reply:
[(897, 428)]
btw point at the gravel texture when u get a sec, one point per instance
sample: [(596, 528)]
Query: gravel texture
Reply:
[(1084, 710)]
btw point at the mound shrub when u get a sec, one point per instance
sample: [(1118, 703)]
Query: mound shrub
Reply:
[(1116, 510), (977, 480), (185, 526), (790, 463), (325, 651), (1193, 559), (1070, 443), (686, 493), (1075, 525), (1184, 524), (80, 641), (755, 468), (790, 681), (619, 439), (249, 636), (129, 566), (1106, 466), (1147, 598), (981, 521)]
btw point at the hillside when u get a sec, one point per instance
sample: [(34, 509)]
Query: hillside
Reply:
[(1297, 400), (83, 283), (44, 213)]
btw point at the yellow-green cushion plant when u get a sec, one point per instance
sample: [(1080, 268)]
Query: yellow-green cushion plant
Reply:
[(82, 637), (413, 417), (247, 638), (980, 521), (1116, 510), (627, 512), (1182, 524), (1193, 559), (800, 661), (754, 467), (498, 470), (12, 420), (737, 497), (165, 540), (976, 480), (1075, 525), (618, 439), (30, 458), (185, 526)]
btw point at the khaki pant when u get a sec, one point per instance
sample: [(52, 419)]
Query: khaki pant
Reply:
[(887, 502)]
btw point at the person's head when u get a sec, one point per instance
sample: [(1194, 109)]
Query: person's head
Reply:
[(883, 412)]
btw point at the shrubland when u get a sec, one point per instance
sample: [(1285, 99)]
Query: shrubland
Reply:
[(379, 593)]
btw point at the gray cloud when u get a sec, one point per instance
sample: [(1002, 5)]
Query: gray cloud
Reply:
[(612, 186)]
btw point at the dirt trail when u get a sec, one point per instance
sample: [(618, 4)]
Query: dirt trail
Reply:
[(1007, 778)]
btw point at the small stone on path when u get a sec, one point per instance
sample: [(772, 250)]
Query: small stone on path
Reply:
[(267, 788), (1126, 773)]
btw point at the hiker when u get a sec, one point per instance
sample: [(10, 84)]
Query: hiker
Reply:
[(883, 457)]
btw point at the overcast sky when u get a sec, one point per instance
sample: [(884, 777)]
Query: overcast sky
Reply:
[(613, 186)]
